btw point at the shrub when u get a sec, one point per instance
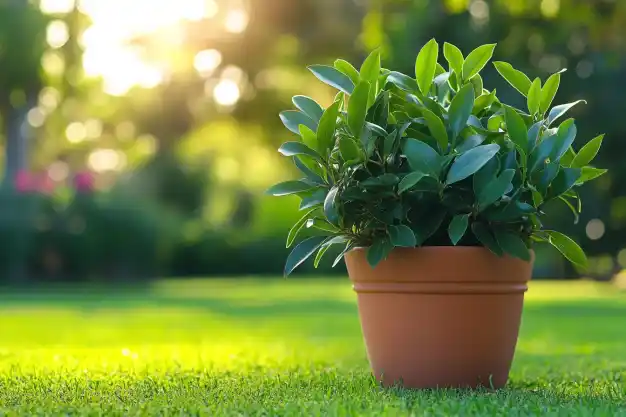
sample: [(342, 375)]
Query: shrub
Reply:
[(437, 159)]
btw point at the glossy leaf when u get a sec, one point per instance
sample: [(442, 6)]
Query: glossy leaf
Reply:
[(459, 111), (476, 60), (534, 96), (496, 188), (298, 148), (308, 137), (370, 70), (421, 157), (437, 129), (315, 199), (302, 252), (567, 247), (484, 236), (516, 78), (517, 129), (402, 236), (309, 107), (565, 180), (379, 251), (326, 129), (297, 227), (429, 226), (333, 77), (357, 108), (348, 69), (458, 227), (549, 90), (330, 211), (564, 138), (477, 82), (484, 101), (512, 245), (470, 143), (426, 64), (560, 110), (410, 181), (288, 187), (470, 162), (311, 176), (533, 136), (590, 173), (587, 153), (292, 119), (454, 56), (403, 82), (349, 149)]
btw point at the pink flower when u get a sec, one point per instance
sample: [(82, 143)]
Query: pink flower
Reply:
[(25, 182), (84, 182)]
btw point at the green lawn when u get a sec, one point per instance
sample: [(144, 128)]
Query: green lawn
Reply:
[(282, 347)]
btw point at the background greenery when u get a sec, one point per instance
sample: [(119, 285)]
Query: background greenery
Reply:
[(138, 137)]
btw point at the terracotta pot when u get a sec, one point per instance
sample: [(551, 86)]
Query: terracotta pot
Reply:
[(440, 317)]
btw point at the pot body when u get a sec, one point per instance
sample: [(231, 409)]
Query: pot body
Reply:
[(440, 317)]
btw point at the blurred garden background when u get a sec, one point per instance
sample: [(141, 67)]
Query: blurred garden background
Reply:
[(137, 136)]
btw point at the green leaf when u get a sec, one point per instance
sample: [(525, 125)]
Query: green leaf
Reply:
[(564, 138), (454, 56), (326, 129), (534, 96), (302, 252), (292, 119), (421, 157), (548, 92), (349, 246), (568, 157), (330, 211), (477, 82), (496, 188), (308, 137), (458, 227), (567, 247), (357, 108), (533, 136), (429, 226), (547, 175), (321, 224), (379, 250), (309, 107), (298, 148), (513, 245), (516, 78), (459, 111), (517, 129), (402, 236), (311, 176), (385, 180), (590, 173), (437, 128), (485, 237), (370, 70), (377, 130), (297, 227), (315, 199), (483, 101), (426, 65), (588, 152), (288, 187), (410, 181), (326, 246), (514, 210), (565, 180), (470, 143), (333, 77), (541, 153), (470, 162), (476, 60), (403, 82), (349, 149), (348, 69), (560, 110)]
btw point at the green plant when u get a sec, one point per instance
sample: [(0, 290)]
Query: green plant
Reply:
[(397, 161)]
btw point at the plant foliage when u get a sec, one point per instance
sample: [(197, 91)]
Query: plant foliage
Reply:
[(434, 160)]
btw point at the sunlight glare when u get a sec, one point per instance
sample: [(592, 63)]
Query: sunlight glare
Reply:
[(56, 6), (57, 34), (226, 93), (236, 21), (207, 61)]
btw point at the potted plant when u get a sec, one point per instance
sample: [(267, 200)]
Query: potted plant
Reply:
[(434, 190)]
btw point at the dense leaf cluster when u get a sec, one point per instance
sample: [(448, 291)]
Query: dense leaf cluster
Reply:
[(437, 159)]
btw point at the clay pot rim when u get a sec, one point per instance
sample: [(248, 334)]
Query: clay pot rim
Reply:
[(435, 248)]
